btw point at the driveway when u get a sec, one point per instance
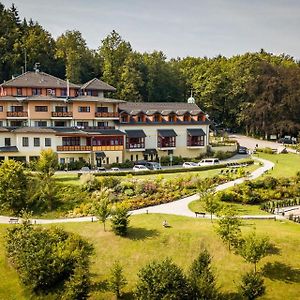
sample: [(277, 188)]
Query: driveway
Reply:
[(251, 143)]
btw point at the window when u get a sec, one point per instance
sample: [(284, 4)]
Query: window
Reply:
[(36, 92), (41, 108), (71, 159), (1, 108), (40, 123), (84, 108), (25, 141), (102, 124), (7, 142), (16, 123), (124, 119), (131, 157), (47, 142), (107, 160), (64, 92), (171, 118), (71, 141), (117, 159), (61, 108), (102, 109), (186, 118), (140, 119), (51, 92), (62, 160), (36, 142), (59, 124), (82, 124), (1, 123), (156, 118), (16, 108), (19, 91)]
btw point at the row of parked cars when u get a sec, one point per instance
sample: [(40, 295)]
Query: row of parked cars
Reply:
[(203, 162)]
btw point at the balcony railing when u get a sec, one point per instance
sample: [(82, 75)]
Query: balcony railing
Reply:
[(74, 148), (135, 146), (61, 114), (108, 148), (17, 114), (106, 114)]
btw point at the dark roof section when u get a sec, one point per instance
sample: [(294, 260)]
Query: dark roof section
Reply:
[(38, 80), (87, 131), (166, 132), (195, 132), (9, 149), (160, 107), (97, 99), (98, 85), (135, 133), (33, 130)]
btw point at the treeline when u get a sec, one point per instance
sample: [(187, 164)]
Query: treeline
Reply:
[(254, 92)]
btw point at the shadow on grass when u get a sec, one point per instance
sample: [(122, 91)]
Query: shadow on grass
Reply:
[(230, 296), (135, 233), (282, 272)]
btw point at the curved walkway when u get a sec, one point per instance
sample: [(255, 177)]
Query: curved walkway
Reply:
[(179, 207)]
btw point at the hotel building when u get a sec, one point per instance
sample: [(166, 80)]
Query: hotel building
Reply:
[(39, 111)]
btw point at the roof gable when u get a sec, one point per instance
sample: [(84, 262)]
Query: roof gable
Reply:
[(99, 85)]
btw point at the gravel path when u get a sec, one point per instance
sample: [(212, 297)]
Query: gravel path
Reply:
[(179, 207)]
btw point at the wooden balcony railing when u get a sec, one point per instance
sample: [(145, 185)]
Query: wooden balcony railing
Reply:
[(74, 148), (17, 114), (106, 114), (108, 148), (62, 114)]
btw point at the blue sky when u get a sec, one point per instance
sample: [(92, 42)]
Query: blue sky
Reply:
[(178, 28)]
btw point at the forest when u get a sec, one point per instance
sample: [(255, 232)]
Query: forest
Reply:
[(255, 93)]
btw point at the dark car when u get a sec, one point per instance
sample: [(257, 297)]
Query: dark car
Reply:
[(286, 141), (242, 150)]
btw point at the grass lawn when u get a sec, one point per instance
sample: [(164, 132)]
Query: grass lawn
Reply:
[(286, 165), (240, 209), (148, 240)]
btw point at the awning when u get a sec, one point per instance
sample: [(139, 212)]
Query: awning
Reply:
[(196, 132), (100, 154), (150, 152), (135, 133), (166, 132), (9, 149)]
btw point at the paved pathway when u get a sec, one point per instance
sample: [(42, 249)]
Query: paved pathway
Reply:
[(179, 207)]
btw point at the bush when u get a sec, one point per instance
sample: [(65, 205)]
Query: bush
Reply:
[(120, 221), (162, 280), (89, 182), (252, 286), (125, 165), (223, 155), (117, 279), (50, 260)]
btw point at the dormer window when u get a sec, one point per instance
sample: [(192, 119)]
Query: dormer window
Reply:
[(156, 118), (36, 92), (124, 119), (19, 91), (186, 118), (172, 118)]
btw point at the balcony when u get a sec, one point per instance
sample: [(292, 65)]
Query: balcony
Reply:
[(74, 148), (135, 147), (56, 114), (17, 114), (108, 148), (106, 114)]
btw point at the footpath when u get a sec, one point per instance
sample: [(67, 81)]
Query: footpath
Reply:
[(178, 207)]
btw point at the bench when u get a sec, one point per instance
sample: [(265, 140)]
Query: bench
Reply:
[(13, 220), (197, 213)]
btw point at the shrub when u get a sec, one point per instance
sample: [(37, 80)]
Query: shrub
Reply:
[(162, 280), (120, 221), (252, 286), (89, 182), (50, 260), (117, 279)]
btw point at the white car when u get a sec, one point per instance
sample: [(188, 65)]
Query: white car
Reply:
[(138, 168), (189, 164), (115, 170), (209, 162)]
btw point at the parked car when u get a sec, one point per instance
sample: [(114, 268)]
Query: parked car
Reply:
[(208, 162), (85, 169), (138, 168), (115, 170), (149, 164), (189, 164), (242, 150), (286, 141), (101, 169)]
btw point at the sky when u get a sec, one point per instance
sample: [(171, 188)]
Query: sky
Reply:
[(178, 28)]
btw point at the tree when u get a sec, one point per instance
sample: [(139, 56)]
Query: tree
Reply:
[(50, 260), (120, 221), (229, 227), (253, 248), (252, 286), (211, 204), (102, 206), (47, 163), (161, 280), (13, 185), (117, 279), (201, 277)]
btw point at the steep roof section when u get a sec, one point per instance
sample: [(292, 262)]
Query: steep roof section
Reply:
[(38, 80), (98, 85), (159, 107)]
